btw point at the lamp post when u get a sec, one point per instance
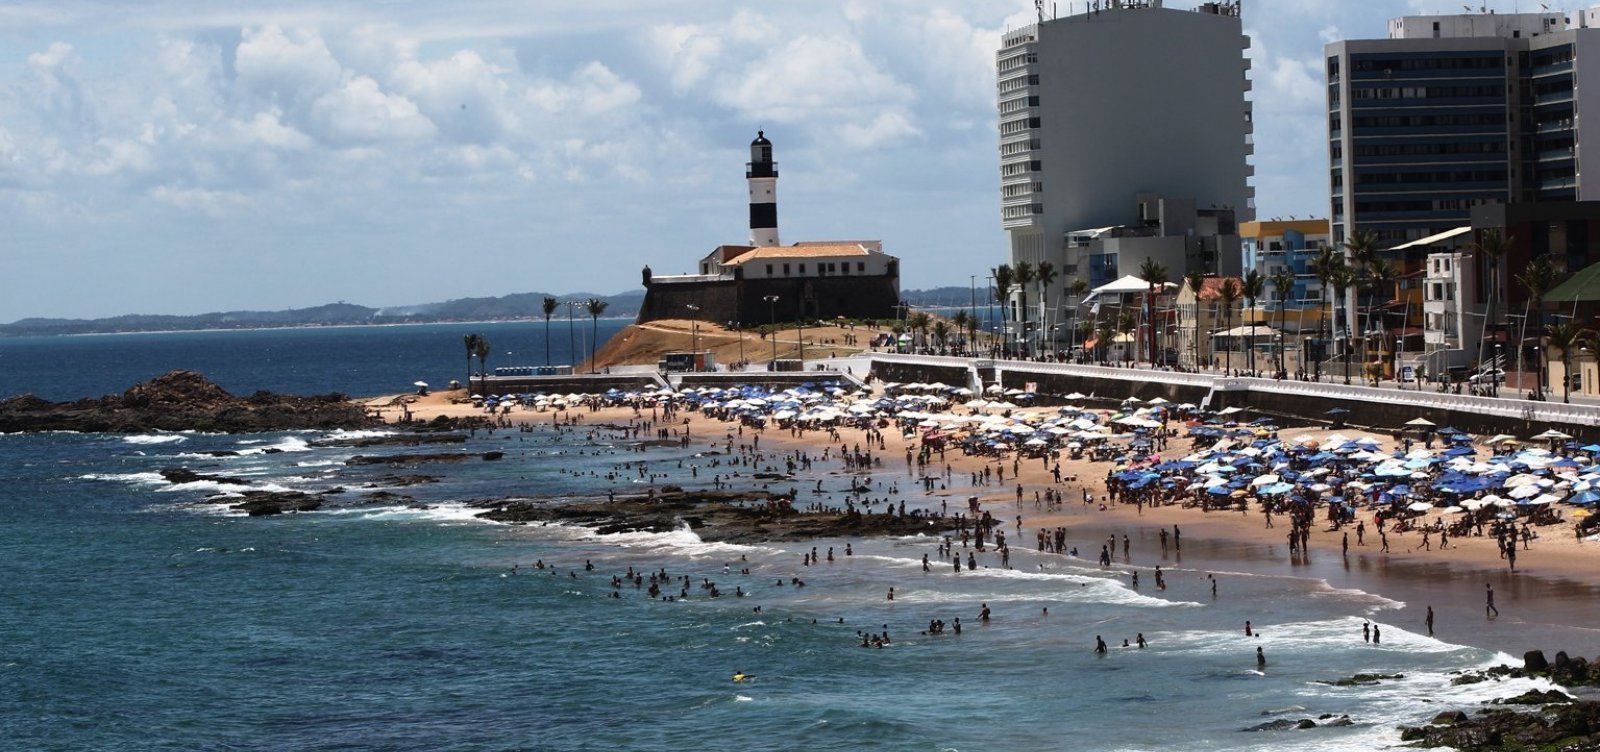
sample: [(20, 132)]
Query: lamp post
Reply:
[(1398, 343), (772, 305), (1499, 359), (1538, 375), (694, 336), (973, 312), (572, 343), (800, 332)]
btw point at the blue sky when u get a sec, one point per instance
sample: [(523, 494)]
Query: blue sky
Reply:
[(196, 155)]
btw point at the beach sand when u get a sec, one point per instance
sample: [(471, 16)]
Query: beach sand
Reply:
[(1549, 603)]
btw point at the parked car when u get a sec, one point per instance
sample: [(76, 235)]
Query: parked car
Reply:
[(1488, 376)]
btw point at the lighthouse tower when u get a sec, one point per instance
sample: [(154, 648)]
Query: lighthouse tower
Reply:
[(762, 174)]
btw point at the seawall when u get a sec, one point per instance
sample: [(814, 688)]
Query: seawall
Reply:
[(1368, 407)]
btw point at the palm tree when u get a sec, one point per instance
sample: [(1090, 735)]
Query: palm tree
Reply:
[(1254, 285), (1327, 260), (1003, 280), (1283, 283), (1566, 337), (1379, 278), (960, 320), (1342, 277), (1023, 275), (941, 333), (1197, 282), (1537, 279), (1126, 324), (595, 307), (550, 306), (1491, 250), (1046, 275), (1227, 295), (1103, 339), (482, 351), (471, 341), (1154, 275), (918, 323)]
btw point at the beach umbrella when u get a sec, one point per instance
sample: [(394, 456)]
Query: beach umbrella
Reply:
[(1337, 411), (1552, 435), (419, 383), (1420, 506), (1586, 498), (1421, 423)]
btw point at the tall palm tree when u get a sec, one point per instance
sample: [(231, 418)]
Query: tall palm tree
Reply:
[(1537, 279), (1326, 261), (1491, 250), (1004, 278), (960, 320), (1227, 295), (481, 349), (1254, 284), (471, 341), (550, 306), (1342, 277), (1155, 276), (595, 307), (918, 323), (1023, 275), (1045, 275), (1566, 337), (1103, 337), (1379, 279), (1078, 288), (1197, 282), (1283, 283), (941, 333)]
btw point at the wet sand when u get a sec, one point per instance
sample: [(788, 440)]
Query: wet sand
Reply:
[(1549, 603)]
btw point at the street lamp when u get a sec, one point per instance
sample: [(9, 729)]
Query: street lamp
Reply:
[(1499, 359), (1398, 344), (772, 306), (572, 344), (694, 336), (1538, 375)]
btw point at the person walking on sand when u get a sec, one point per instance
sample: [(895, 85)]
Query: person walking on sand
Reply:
[(1488, 605)]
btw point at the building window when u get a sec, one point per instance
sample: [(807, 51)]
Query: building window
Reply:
[(785, 270), (802, 270), (769, 270), (861, 267)]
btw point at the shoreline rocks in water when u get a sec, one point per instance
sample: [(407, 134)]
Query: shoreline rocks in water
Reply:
[(1560, 722), (715, 516), (183, 401)]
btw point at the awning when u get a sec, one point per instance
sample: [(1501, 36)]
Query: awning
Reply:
[(1431, 239), (1583, 286), (1247, 331), (1128, 284)]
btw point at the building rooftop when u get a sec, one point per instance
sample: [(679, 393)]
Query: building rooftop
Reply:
[(801, 251)]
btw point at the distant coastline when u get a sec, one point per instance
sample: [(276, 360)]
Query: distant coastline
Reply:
[(518, 307)]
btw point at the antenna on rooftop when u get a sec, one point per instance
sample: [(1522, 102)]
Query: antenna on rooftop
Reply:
[(1038, 9)]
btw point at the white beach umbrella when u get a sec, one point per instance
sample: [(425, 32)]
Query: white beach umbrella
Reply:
[(1420, 506)]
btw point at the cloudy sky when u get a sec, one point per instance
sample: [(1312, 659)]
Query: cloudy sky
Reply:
[(199, 155)]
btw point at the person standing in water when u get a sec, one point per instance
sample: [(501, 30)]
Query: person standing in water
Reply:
[(1261, 659)]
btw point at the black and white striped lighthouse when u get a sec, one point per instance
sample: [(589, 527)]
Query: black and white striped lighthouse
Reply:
[(762, 174)]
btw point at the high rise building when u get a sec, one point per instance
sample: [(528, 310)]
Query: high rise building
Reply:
[(1102, 110), (1454, 111)]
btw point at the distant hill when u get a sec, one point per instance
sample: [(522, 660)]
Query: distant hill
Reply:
[(515, 307)]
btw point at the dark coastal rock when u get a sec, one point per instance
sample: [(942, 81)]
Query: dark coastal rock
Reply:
[(182, 401), (494, 456), (1287, 724), (716, 516), (405, 459), (264, 503), (399, 481), (1560, 723), (177, 475), (1362, 680)]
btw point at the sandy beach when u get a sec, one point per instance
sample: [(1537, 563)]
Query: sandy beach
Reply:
[(1547, 603)]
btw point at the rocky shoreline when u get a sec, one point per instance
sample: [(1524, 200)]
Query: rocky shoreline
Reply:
[(1560, 722), (183, 401), (715, 516)]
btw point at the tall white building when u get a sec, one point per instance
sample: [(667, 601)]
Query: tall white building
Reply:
[(1126, 100)]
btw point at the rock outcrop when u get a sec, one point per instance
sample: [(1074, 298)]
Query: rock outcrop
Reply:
[(183, 401)]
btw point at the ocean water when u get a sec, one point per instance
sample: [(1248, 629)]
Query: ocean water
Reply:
[(140, 617)]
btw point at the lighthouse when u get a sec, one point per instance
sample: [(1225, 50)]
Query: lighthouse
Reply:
[(762, 174)]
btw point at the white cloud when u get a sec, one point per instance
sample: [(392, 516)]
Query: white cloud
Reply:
[(360, 113), (289, 69)]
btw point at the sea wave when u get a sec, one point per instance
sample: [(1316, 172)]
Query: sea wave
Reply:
[(680, 541), (287, 444), (148, 479), (155, 438)]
